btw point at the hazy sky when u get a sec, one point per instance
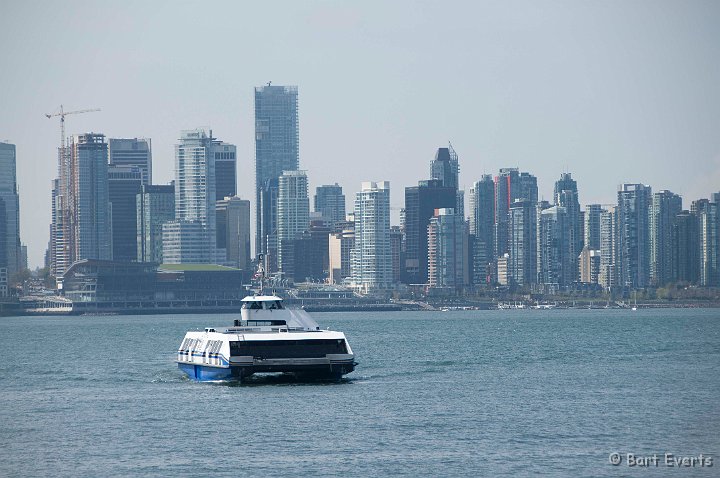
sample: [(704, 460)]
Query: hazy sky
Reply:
[(612, 91)]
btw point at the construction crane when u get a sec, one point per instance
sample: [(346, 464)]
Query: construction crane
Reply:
[(62, 115)]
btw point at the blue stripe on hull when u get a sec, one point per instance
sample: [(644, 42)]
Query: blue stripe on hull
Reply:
[(203, 374)]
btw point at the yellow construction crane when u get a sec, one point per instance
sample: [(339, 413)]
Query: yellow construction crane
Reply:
[(62, 115)]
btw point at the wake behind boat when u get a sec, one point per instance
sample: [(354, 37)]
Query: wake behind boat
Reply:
[(267, 338)]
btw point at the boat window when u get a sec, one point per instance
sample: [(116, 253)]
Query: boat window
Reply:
[(252, 305), (278, 304)]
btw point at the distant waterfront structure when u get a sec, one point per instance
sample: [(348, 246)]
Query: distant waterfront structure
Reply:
[(372, 257), (553, 250), (340, 245), (566, 195), (447, 250), (664, 208), (686, 247), (193, 239), (330, 202), (124, 184), (276, 150), (132, 152), (420, 204), (589, 265), (708, 221), (89, 203), (155, 205), (225, 156), (633, 235), (482, 226), (233, 231), (522, 266), (10, 246), (293, 212), (397, 252)]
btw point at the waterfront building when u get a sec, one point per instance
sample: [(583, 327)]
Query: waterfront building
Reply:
[(482, 217), (445, 167), (510, 185), (522, 266), (225, 156), (233, 232), (633, 235), (329, 201), (589, 265), (566, 195), (276, 150), (293, 212), (89, 221), (553, 249), (592, 226), (155, 205), (132, 152), (371, 257), (607, 277), (665, 206), (340, 245), (447, 250), (708, 221), (10, 247), (194, 198), (305, 258), (420, 204), (686, 247), (503, 270), (397, 252), (124, 184)]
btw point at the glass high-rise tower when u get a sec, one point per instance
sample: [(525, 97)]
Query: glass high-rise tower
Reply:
[(277, 137)]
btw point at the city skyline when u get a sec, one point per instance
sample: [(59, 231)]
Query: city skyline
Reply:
[(604, 91)]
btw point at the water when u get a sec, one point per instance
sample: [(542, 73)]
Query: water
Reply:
[(486, 393)]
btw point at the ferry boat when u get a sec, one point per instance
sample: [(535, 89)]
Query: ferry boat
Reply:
[(268, 338)]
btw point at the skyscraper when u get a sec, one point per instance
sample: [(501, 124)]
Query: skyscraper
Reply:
[(552, 245), (225, 156), (155, 205), (233, 231), (420, 204), (293, 211), (330, 202), (510, 185), (686, 247), (566, 195), (447, 250), (708, 221), (592, 226), (124, 184), (482, 223), (445, 167), (371, 257), (633, 235), (522, 266), (89, 203), (10, 255), (607, 276), (276, 150), (665, 206), (194, 200), (132, 152)]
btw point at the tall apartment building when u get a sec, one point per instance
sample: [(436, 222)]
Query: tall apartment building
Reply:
[(155, 205), (633, 235), (589, 265), (195, 196), (329, 201), (132, 152), (553, 261), (607, 277), (421, 201), (510, 186), (665, 206), (447, 250), (293, 211), (686, 247), (372, 256), (566, 195), (124, 184), (233, 231), (708, 223), (10, 247), (276, 150), (482, 220), (522, 266), (592, 226)]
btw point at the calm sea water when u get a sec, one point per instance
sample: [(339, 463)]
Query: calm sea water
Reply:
[(482, 393)]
